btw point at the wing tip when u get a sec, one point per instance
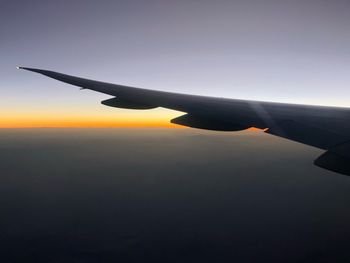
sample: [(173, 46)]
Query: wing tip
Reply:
[(41, 71), (25, 68)]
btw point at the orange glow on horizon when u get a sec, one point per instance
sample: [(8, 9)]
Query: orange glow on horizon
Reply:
[(85, 124), (84, 119), (94, 124), (89, 120), (257, 129)]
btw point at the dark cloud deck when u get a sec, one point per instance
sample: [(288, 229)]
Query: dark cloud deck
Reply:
[(167, 195)]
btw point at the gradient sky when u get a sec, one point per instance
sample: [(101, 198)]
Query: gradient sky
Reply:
[(289, 51)]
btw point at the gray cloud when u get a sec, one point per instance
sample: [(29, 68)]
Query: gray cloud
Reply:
[(167, 195)]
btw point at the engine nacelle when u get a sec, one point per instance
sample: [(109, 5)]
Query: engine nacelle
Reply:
[(207, 123), (125, 104)]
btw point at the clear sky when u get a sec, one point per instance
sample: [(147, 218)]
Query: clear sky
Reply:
[(288, 51)]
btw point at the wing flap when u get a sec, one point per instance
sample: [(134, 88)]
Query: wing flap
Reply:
[(307, 134), (336, 159)]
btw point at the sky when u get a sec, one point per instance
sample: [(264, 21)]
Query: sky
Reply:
[(286, 51)]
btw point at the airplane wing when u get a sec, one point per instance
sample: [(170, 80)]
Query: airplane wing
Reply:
[(323, 127)]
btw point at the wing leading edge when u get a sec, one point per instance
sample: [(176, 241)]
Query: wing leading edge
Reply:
[(319, 126)]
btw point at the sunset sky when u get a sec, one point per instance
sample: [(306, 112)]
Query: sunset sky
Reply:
[(287, 51)]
